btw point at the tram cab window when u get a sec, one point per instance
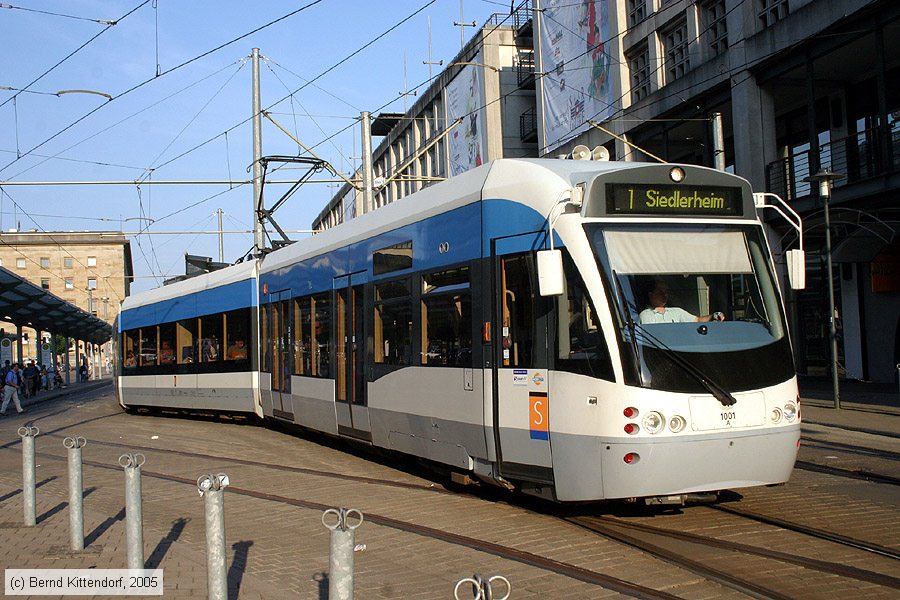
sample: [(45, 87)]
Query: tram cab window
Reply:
[(581, 347), (447, 318)]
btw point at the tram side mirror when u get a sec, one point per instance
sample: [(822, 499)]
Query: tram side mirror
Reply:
[(796, 265), (550, 273)]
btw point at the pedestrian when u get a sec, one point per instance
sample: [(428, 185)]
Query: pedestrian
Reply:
[(11, 391), (83, 372), (25, 382)]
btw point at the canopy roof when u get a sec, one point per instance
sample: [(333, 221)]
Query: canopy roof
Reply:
[(25, 304)]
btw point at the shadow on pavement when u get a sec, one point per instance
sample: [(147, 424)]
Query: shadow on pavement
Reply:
[(164, 544), (238, 566), (102, 527)]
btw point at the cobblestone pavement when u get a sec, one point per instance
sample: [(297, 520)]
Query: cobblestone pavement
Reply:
[(278, 549)]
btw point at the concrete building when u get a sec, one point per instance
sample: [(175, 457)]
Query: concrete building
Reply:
[(92, 270), (800, 85), (480, 107)]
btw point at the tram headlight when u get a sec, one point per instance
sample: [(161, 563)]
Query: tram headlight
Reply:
[(775, 415), (653, 422), (790, 412), (677, 423)]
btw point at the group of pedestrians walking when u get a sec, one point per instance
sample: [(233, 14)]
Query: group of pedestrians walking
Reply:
[(27, 381)]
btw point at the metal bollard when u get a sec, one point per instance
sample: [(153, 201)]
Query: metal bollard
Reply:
[(28, 434), (212, 488), (343, 542), (76, 492), (134, 516), (482, 588)]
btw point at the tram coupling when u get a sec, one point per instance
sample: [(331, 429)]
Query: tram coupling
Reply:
[(682, 499)]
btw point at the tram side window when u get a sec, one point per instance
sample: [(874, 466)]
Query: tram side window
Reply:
[(167, 344), (302, 345), (393, 323), (237, 334), (211, 338), (148, 346), (517, 311), (581, 347), (130, 349), (447, 318), (320, 326), (186, 341)]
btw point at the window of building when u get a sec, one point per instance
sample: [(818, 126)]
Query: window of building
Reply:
[(92, 261), (447, 318), (715, 28), (67, 263), (772, 11), (45, 283), (92, 283), (675, 43), (637, 11), (639, 66), (45, 262), (20, 263), (70, 285)]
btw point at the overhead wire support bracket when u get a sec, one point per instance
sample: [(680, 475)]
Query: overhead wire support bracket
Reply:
[(263, 214)]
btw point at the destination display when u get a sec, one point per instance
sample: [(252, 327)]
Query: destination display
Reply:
[(676, 200)]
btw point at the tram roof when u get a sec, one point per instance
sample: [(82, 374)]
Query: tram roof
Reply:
[(23, 303), (218, 278)]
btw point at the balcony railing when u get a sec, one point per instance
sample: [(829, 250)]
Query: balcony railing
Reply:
[(525, 70), (860, 156), (528, 125), (520, 17)]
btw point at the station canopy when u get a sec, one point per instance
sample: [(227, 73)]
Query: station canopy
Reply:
[(26, 305)]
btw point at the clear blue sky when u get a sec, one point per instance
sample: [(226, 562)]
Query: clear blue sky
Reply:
[(154, 126)]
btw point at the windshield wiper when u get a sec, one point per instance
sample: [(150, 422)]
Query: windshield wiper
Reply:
[(721, 394)]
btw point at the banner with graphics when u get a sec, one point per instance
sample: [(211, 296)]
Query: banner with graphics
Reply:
[(575, 62), (5, 351), (46, 356), (467, 142)]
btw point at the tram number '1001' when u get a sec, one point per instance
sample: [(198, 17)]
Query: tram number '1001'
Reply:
[(728, 416)]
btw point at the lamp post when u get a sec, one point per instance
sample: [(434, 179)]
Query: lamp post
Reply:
[(825, 178)]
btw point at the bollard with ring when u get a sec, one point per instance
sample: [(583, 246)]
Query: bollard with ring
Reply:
[(482, 587), (212, 489), (343, 541), (28, 434), (76, 491), (134, 516)]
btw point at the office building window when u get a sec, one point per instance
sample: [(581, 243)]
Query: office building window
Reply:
[(67, 263), (92, 261), (637, 11), (675, 43), (45, 262), (772, 11), (639, 67), (92, 283), (715, 28), (70, 285), (45, 283), (20, 263)]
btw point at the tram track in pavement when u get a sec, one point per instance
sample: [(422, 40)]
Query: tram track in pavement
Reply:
[(575, 572), (699, 553)]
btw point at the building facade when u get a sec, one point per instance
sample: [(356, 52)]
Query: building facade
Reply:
[(91, 270), (796, 86)]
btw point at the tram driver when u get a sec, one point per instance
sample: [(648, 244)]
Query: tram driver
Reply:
[(658, 312)]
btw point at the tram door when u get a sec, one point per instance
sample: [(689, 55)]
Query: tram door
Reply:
[(350, 357), (521, 382), (280, 346)]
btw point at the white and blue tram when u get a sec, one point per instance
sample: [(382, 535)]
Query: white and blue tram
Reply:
[(444, 326)]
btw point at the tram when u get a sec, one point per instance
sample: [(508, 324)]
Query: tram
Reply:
[(574, 330)]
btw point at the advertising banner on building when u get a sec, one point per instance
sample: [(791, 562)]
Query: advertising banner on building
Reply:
[(576, 83), (467, 142)]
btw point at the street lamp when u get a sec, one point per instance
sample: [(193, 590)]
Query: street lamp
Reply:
[(825, 178)]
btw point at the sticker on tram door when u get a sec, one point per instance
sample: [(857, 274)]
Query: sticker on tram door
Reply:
[(538, 416)]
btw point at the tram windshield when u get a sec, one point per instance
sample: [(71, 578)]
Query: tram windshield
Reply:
[(704, 294)]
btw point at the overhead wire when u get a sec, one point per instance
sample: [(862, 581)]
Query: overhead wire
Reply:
[(55, 14), (161, 74)]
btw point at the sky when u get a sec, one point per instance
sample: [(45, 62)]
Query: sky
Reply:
[(181, 108)]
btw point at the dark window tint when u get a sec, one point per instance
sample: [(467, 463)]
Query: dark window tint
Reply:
[(447, 318), (148, 346), (211, 338), (517, 311), (393, 323), (130, 345), (393, 258), (186, 341), (237, 335), (167, 344)]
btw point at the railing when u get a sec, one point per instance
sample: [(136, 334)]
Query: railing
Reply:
[(525, 70), (860, 156), (521, 16), (528, 122)]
